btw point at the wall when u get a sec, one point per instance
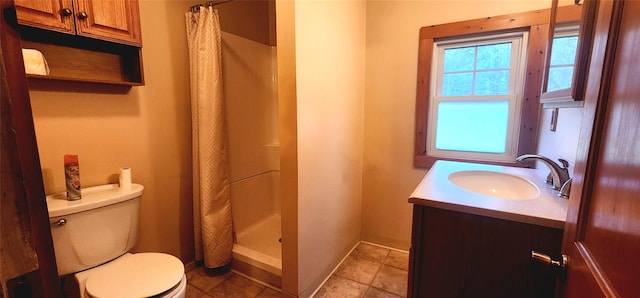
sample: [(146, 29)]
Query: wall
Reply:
[(146, 128), (248, 69), (329, 52), (562, 143), (391, 56)]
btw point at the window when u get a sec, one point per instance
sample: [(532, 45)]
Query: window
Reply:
[(478, 88), (563, 58), (475, 97)]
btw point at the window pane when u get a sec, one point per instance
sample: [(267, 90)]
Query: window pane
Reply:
[(457, 84), (563, 51), (560, 78), (473, 126), (459, 59), (492, 82), (494, 56)]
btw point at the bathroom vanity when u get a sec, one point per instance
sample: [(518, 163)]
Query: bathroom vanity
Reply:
[(474, 228)]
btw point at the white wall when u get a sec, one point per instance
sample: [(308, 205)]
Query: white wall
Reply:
[(248, 69), (562, 143), (329, 48)]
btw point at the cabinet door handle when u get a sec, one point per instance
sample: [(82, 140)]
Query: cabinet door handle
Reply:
[(59, 223), (560, 265), (83, 15), (66, 12)]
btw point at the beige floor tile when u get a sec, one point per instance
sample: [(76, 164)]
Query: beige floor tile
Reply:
[(236, 286), (398, 259), (271, 293), (377, 293), (358, 269), (193, 292), (371, 252), (392, 280), (199, 279), (339, 287)]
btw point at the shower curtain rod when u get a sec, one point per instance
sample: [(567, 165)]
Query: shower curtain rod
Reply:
[(196, 8)]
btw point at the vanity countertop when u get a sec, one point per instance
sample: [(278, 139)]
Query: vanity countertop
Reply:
[(435, 190)]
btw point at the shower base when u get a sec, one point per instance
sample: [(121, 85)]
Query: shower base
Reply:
[(258, 251)]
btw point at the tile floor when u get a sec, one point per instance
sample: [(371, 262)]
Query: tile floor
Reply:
[(369, 271)]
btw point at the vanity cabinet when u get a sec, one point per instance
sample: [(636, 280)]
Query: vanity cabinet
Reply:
[(115, 21), (94, 41), (457, 254)]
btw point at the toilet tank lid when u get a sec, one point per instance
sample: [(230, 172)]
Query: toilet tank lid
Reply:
[(92, 197)]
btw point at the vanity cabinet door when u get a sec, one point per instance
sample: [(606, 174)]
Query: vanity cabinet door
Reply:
[(56, 15), (455, 254), (111, 20)]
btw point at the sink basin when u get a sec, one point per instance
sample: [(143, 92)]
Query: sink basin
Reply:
[(495, 184)]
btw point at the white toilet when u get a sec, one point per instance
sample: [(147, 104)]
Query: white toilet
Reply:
[(92, 238)]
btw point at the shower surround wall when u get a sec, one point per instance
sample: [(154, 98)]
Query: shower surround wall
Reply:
[(251, 107)]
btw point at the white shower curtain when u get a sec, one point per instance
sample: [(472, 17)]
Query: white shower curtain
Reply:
[(211, 198)]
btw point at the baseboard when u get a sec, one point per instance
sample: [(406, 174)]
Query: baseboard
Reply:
[(333, 271), (190, 266)]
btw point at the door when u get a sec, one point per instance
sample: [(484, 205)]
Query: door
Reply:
[(54, 15), (602, 235), (117, 21)]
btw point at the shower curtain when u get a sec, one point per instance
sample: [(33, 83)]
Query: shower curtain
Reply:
[(211, 197)]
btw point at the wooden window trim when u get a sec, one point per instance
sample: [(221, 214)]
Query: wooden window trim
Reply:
[(537, 24)]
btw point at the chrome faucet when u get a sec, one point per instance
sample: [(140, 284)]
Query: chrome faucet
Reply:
[(560, 179)]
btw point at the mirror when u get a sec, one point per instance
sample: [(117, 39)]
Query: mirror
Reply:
[(567, 55)]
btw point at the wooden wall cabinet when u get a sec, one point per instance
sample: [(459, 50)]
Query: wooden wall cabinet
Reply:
[(455, 254), (84, 40), (115, 21)]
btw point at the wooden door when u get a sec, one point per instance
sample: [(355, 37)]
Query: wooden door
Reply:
[(117, 21), (54, 15), (25, 219), (602, 235)]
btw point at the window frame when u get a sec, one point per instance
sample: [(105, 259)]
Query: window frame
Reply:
[(536, 23)]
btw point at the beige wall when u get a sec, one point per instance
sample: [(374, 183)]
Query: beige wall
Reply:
[(353, 164), (147, 129), (329, 51), (391, 51)]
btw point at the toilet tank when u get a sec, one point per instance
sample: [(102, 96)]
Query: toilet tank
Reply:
[(100, 227)]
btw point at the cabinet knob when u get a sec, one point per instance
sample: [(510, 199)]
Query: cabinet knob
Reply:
[(66, 12), (83, 15)]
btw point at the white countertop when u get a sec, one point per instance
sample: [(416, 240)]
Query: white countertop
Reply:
[(435, 190)]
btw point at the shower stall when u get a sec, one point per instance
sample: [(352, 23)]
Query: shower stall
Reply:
[(249, 71)]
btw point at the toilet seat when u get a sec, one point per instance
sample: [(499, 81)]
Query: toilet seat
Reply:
[(135, 275)]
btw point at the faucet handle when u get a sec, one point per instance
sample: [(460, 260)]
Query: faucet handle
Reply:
[(565, 164)]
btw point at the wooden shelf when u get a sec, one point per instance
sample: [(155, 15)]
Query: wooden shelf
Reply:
[(80, 59)]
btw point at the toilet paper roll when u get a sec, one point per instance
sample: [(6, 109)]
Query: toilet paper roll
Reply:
[(34, 62), (125, 178)]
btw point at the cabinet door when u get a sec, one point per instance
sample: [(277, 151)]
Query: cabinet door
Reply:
[(111, 20), (54, 15)]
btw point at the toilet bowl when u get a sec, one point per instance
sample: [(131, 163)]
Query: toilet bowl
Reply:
[(92, 238)]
